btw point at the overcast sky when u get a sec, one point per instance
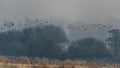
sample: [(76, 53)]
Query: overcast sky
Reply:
[(68, 9), (82, 11)]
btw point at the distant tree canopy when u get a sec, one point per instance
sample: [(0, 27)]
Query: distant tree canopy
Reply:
[(45, 40), (43, 47), (42, 41), (54, 33), (88, 48), (114, 40)]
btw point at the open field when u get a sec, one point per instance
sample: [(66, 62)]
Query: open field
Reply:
[(24, 62)]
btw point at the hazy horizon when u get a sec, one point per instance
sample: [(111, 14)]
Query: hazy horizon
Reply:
[(68, 9), (64, 12), (60, 29)]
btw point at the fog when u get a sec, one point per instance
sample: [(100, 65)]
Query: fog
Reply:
[(69, 9), (65, 12)]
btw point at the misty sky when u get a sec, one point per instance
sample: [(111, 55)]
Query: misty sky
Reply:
[(68, 9)]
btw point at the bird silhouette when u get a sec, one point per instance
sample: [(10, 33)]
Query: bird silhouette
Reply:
[(110, 26), (1, 28), (4, 24), (46, 21), (104, 25), (99, 24), (12, 24), (73, 28), (36, 20), (85, 29), (69, 27)]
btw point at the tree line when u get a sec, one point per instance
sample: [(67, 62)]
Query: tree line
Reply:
[(47, 41)]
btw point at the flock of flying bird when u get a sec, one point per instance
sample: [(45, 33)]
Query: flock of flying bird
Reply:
[(86, 27), (7, 25), (10, 24), (70, 26)]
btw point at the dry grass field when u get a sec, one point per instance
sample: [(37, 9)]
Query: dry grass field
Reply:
[(24, 62)]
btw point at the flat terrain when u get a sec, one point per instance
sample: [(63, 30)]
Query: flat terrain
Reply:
[(11, 65), (24, 62)]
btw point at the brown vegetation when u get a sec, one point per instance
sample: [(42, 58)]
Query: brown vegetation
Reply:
[(24, 62)]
